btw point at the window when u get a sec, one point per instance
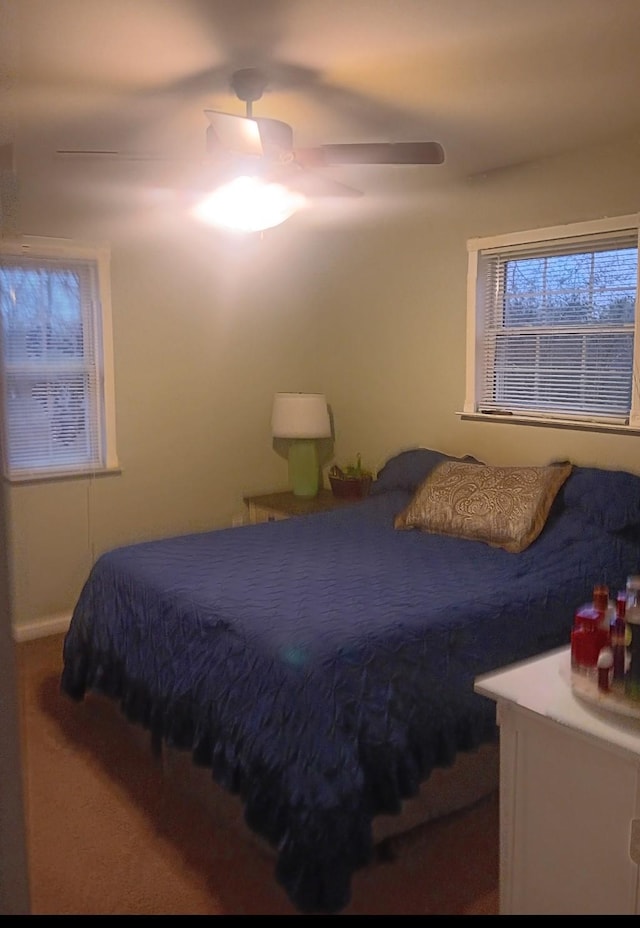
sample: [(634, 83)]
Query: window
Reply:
[(551, 323), (56, 359)]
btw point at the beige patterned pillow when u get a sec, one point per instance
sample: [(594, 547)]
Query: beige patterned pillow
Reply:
[(505, 507)]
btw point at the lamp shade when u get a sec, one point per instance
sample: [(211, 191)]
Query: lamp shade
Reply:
[(300, 415)]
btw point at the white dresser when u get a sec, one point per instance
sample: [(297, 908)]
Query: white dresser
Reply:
[(569, 795)]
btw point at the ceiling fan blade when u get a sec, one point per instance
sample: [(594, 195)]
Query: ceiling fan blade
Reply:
[(247, 135), (239, 134), (373, 153), (111, 154)]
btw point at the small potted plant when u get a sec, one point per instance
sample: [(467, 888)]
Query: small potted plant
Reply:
[(352, 482)]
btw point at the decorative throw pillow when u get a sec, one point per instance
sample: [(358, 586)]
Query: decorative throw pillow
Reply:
[(407, 469), (505, 507)]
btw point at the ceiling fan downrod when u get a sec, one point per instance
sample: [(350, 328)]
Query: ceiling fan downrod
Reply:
[(248, 84)]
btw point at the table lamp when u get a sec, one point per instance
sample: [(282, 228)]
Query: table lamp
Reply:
[(302, 418)]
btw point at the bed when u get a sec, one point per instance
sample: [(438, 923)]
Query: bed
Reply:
[(321, 668)]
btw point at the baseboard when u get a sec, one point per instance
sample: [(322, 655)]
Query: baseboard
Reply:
[(41, 628)]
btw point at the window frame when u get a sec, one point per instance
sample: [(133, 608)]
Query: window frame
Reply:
[(476, 318), (99, 255)]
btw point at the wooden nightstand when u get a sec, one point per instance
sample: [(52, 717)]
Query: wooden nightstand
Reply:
[(271, 507)]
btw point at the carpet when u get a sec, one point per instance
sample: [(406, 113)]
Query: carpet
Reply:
[(108, 835)]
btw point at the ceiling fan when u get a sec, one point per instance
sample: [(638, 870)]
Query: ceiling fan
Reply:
[(269, 143), (259, 144)]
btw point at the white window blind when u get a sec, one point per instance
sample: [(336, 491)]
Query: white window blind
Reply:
[(556, 327), (53, 384)]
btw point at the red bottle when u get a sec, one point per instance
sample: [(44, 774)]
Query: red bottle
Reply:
[(606, 610), (587, 639)]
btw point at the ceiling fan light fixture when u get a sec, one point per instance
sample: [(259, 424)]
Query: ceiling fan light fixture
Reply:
[(248, 204)]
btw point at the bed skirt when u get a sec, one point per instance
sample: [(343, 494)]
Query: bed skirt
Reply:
[(473, 776)]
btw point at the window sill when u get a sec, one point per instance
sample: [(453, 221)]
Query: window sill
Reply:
[(514, 419), (53, 477)]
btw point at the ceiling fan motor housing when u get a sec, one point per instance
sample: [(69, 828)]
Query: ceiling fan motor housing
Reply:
[(248, 84)]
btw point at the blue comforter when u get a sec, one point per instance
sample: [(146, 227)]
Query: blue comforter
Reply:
[(323, 666)]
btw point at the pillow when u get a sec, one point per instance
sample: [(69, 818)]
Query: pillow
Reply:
[(505, 507), (407, 470), (608, 498)]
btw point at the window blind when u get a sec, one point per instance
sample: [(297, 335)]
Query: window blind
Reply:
[(51, 354), (557, 326)]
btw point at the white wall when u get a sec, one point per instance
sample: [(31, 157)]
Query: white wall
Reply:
[(206, 329), (399, 298)]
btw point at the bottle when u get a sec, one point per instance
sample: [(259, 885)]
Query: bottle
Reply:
[(632, 619), (606, 610), (600, 597), (605, 668), (618, 634), (587, 640)]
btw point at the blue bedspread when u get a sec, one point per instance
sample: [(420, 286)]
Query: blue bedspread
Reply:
[(322, 666)]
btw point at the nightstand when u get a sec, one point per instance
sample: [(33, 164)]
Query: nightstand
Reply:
[(271, 507)]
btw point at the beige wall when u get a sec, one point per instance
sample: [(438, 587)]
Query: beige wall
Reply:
[(207, 328), (398, 374)]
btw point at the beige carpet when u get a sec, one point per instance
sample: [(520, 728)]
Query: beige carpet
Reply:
[(109, 836)]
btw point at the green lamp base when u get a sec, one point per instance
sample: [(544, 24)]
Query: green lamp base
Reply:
[(304, 467)]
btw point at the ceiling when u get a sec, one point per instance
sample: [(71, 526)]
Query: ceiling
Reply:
[(497, 82)]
